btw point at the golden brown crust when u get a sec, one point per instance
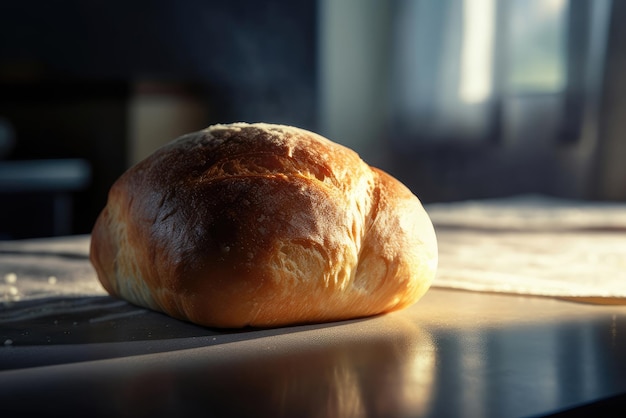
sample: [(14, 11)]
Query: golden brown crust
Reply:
[(262, 225)]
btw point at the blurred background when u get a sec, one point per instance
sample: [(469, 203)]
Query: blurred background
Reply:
[(459, 99)]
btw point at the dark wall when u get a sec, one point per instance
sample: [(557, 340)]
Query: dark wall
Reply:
[(68, 71), (257, 57)]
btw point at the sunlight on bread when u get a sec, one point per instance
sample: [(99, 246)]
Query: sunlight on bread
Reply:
[(262, 225)]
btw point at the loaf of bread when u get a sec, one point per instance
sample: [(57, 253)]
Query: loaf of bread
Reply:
[(262, 225)]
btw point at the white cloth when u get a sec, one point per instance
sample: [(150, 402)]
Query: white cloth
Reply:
[(533, 246)]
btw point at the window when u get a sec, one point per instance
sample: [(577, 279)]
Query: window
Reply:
[(458, 65), (537, 45)]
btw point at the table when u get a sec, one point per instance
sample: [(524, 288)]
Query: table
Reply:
[(69, 349)]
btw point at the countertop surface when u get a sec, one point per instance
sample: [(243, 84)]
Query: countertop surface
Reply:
[(454, 353), (67, 348)]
